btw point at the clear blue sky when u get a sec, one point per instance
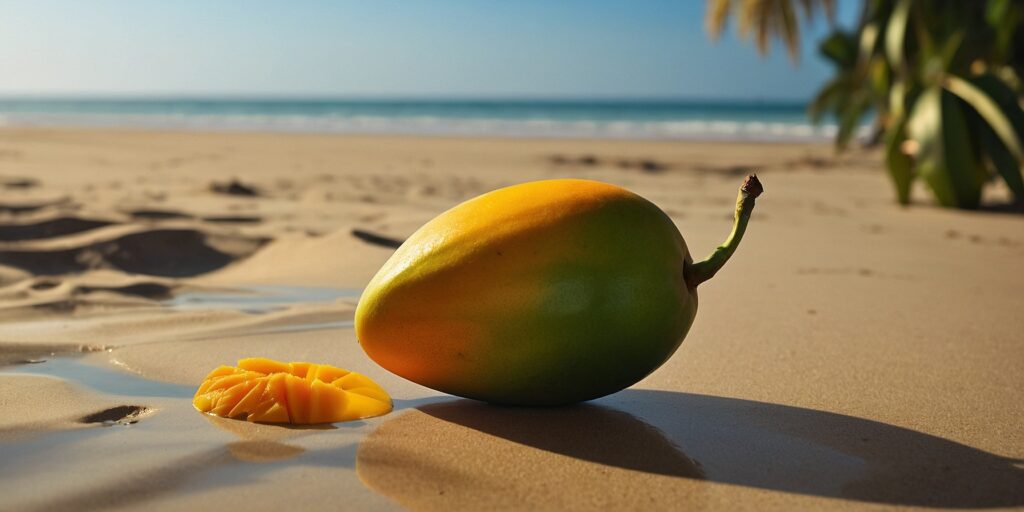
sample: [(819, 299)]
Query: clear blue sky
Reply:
[(390, 48)]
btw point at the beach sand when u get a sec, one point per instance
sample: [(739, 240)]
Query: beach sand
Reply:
[(852, 355)]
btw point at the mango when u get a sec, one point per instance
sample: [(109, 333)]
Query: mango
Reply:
[(544, 293), (267, 391)]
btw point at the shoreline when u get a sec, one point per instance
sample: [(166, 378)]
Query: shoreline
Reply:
[(129, 130), (279, 129), (520, 118)]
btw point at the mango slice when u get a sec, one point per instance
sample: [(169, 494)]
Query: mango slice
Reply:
[(267, 391)]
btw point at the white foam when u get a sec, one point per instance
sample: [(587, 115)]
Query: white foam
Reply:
[(435, 125)]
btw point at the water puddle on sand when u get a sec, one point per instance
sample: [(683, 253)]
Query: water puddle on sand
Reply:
[(259, 299), (72, 446), (311, 326), (254, 300), (150, 429), (150, 433), (99, 378)]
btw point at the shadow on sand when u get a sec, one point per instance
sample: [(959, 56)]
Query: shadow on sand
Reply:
[(732, 441)]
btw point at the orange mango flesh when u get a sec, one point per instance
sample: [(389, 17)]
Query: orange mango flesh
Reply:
[(543, 293), (267, 391)]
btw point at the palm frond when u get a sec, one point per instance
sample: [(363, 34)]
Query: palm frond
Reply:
[(717, 16), (765, 20)]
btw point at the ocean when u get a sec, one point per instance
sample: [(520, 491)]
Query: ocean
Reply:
[(635, 119)]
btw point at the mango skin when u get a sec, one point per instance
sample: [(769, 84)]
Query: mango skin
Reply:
[(544, 293)]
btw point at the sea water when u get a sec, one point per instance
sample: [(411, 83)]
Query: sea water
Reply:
[(623, 119)]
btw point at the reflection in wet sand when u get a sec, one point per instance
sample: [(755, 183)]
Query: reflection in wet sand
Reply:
[(466, 455), (263, 451), (262, 442)]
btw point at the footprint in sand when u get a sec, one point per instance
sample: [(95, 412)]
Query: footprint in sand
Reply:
[(31, 207), (49, 228), (233, 219), (953, 234), (57, 296), (18, 183), (155, 252), (377, 239), (146, 214), (120, 415), (863, 272), (725, 171), (646, 165), (235, 188), (158, 215), (45, 284)]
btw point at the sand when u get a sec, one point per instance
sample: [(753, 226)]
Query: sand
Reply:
[(852, 355)]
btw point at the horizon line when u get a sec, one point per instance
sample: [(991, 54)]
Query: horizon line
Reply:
[(453, 98)]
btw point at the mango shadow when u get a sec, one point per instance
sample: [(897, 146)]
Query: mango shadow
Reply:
[(756, 444), (589, 432)]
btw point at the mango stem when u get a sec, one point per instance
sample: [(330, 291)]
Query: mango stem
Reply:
[(701, 271)]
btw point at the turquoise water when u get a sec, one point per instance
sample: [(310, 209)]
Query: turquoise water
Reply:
[(103, 379), (515, 118), (259, 299)]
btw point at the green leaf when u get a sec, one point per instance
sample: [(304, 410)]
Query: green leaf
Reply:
[(1003, 162), (828, 98), (895, 33), (990, 111), (868, 39), (1004, 96), (878, 72), (850, 116), (949, 48), (840, 48), (900, 165), (945, 159), (898, 98), (1003, 18), (927, 61), (996, 11), (997, 104)]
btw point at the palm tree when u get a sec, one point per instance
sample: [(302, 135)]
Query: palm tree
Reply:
[(943, 78)]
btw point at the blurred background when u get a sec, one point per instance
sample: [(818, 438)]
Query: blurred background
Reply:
[(569, 69), (934, 82), (851, 70)]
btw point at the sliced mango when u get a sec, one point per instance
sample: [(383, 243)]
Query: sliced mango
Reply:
[(219, 371), (267, 391), (250, 401), (264, 365), (298, 393), (300, 370), (329, 373)]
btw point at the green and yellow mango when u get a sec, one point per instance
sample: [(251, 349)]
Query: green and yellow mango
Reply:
[(543, 293)]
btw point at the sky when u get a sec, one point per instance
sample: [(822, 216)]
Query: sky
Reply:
[(391, 49)]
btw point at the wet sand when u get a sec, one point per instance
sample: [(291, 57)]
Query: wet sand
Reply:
[(852, 355)]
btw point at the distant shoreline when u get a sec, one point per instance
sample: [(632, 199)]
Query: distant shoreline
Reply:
[(569, 119)]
